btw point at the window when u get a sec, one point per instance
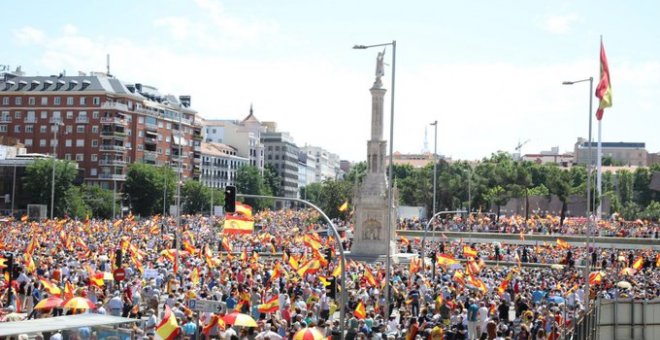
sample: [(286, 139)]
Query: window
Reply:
[(95, 129), (18, 100), (29, 128), (3, 128), (44, 100), (169, 126), (141, 120), (80, 142), (140, 147), (140, 133), (69, 101), (158, 150), (167, 139), (43, 129), (96, 101), (92, 171), (57, 101), (44, 114), (69, 115), (167, 152), (17, 129), (95, 114), (67, 143), (69, 129), (80, 129), (67, 156), (80, 157), (31, 101), (95, 157), (28, 142), (160, 125), (53, 143), (42, 142), (128, 145), (5, 101), (17, 114), (160, 137), (95, 143), (129, 132), (83, 101)]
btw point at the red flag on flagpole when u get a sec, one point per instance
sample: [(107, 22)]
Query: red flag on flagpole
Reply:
[(604, 88)]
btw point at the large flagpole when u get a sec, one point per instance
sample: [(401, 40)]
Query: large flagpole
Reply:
[(599, 176)]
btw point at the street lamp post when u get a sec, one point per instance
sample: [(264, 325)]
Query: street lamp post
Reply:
[(390, 183), (435, 162), (588, 212), (56, 128)]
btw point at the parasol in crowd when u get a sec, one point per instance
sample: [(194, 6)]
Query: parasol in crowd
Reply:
[(79, 303), (624, 285), (49, 303), (239, 319), (308, 334)]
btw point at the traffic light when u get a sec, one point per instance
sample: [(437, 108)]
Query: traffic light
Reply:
[(118, 258), (332, 287), (230, 199)]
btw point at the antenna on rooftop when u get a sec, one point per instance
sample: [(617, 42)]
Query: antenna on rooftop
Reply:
[(425, 148), (107, 64)]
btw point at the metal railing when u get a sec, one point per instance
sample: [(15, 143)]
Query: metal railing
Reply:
[(583, 327), (82, 120)]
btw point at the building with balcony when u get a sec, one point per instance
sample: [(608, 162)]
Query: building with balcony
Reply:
[(282, 154), (219, 165), (100, 122), (622, 153)]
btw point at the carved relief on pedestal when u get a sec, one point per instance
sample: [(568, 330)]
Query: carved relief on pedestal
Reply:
[(371, 230)]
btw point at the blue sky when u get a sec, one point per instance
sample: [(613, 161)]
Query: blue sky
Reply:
[(489, 71)]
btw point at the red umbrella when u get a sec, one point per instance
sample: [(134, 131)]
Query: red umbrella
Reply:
[(49, 303), (308, 334), (79, 303)]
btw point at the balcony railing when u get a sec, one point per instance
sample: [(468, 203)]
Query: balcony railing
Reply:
[(150, 140), (113, 177), (113, 120), (112, 162), (112, 148), (113, 134), (5, 119), (114, 106), (56, 120), (30, 120), (150, 155), (82, 120)]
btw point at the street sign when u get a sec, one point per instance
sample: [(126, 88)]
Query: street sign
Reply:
[(120, 274), (206, 306)]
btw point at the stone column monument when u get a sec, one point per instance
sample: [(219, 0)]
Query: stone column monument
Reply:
[(371, 236)]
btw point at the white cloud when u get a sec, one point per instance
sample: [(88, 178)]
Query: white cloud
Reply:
[(559, 24), (480, 107), (29, 35), (179, 27), (70, 29)]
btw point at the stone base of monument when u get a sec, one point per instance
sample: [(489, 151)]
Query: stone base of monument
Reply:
[(399, 258)]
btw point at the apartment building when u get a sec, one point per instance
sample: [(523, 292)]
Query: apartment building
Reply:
[(219, 165), (101, 123)]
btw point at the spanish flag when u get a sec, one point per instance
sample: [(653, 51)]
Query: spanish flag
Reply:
[(638, 263), (236, 224), (311, 242), (50, 287), (168, 328), (369, 277), (226, 245), (270, 306), (360, 312), (343, 207), (337, 271), (244, 209), (404, 240), (445, 260), (459, 277), (293, 263), (469, 251), (604, 88), (595, 278), (214, 321), (194, 276), (97, 279), (561, 244), (310, 267)]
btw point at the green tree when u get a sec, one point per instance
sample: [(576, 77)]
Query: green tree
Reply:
[(641, 191), (559, 184), (312, 192), (196, 198), (652, 211), (357, 173), (38, 180), (273, 180), (145, 185), (250, 181), (74, 204), (498, 197), (98, 200), (333, 194), (625, 182)]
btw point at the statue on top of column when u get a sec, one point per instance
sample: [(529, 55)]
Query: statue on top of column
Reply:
[(380, 70)]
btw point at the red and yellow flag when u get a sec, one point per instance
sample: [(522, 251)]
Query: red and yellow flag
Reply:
[(604, 88), (445, 260), (194, 276), (469, 251), (226, 245), (343, 207), (561, 244), (244, 209), (310, 267), (360, 311), (237, 224), (168, 328), (370, 277), (595, 278), (270, 306), (638, 263)]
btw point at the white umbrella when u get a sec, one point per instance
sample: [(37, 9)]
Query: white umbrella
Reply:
[(624, 285)]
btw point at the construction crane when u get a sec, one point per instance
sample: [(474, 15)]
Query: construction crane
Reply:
[(519, 148)]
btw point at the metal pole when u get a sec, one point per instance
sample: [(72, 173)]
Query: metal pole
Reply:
[(13, 191), (390, 184), (114, 198), (164, 191), (52, 184), (470, 192), (342, 257), (435, 162), (178, 193), (426, 228), (589, 214)]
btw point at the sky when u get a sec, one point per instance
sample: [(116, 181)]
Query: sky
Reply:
[(490, 72)]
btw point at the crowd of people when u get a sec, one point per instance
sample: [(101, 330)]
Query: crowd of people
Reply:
[(539, 225), (285, 276)]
